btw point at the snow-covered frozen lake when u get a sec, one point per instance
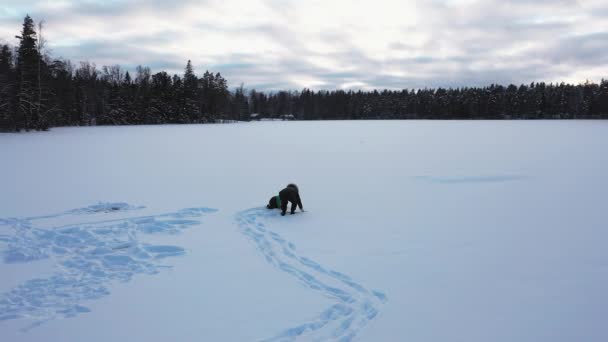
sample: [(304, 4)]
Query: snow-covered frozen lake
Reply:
[(413, 231)]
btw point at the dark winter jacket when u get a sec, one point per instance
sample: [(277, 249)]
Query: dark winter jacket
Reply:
[(289, 194)]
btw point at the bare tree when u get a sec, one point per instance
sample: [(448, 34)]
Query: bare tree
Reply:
[(113, 74)]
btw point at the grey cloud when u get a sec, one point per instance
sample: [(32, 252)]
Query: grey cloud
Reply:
[(102, 8), (112, 52), (460, 78), (482, 36), (512, 41), (436, 72), (601, 13), (401, 46), (580, 50)]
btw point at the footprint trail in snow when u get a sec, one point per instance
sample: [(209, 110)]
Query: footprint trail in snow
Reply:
[(355, 304), (88, 256)]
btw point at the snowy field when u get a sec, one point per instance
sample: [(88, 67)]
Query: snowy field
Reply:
[(413, 231)]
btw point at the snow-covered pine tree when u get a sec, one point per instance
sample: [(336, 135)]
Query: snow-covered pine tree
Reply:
[(28, 101), (161, 100), (190, 91), (603, 99), (240, 104), (221, 94), (141, 97), (113, 112), (7, 89), (86, 84)]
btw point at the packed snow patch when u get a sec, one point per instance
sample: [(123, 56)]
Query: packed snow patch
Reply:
[(88, 256)]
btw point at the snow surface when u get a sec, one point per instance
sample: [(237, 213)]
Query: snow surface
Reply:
[(413, 231)]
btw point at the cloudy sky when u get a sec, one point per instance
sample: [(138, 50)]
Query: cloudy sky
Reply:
[(329, 44)]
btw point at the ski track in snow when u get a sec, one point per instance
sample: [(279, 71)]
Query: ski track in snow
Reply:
[(89, 256), (356, 305)]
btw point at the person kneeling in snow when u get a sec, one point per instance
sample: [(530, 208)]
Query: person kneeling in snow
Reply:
[(289, 194)]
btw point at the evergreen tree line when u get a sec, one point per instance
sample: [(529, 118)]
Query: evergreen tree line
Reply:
[(37, 91), (534, 101)]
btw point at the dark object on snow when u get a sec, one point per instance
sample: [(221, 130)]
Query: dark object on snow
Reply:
[(289, 194)]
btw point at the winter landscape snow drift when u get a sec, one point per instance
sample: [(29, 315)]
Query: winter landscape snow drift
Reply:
[(413, 231)]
